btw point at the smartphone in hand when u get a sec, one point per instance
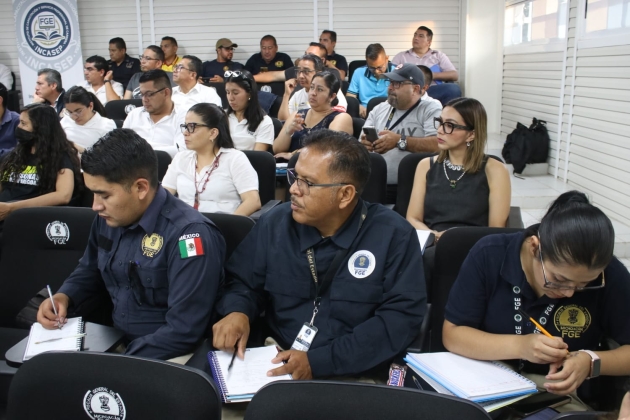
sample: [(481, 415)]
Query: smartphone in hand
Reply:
[(370, 134)]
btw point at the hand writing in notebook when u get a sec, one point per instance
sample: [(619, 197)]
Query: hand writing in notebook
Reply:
[(230, 330), (575, 369), (46, 315), (538, 348), (296, 364)]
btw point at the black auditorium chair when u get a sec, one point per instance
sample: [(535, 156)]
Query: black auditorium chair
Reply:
[(354, 400), (357, 126), (118, 110), (275, 108), (353, 66), (112, 386), (372, 103), (277, 126), (265, 166), (344, 86), (220, 88), (277, 88), (233, 227), (353, 107), (13, 96), (406, 174), (164, 159)]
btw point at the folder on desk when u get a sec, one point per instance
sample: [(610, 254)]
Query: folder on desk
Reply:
[(246, 377), (475, 380)]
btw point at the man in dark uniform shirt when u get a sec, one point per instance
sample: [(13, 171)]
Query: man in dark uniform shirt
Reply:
[(159, 259), (268, 59), (121, 64), (366, 259), (333, 60), (215, 69)]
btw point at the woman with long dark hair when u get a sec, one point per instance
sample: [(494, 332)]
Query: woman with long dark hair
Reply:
[(250, 127), (44, 168), (84, 118), (211, 175)]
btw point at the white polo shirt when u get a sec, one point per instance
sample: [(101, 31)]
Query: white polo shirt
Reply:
[(299, 100), (165, 134), (87, 134), (197, 94), (245, 139), (234, 176), (101, 94)]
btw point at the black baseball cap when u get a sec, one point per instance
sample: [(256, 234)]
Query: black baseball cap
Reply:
[(406, 72)]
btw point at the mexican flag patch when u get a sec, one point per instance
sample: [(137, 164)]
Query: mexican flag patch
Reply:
[(190, 245)]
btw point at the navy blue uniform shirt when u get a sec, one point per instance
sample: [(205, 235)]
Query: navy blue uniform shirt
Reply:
[(256, 64), (162, 296), (370, 312), (214, 68), (484, 297), (123, 71), (338, 61), (9, 121)]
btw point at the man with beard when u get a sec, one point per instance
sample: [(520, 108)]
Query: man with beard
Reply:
[(215, 69)]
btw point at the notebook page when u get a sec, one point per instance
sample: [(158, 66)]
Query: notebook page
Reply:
[(73, 327), (249, 375), (473, 378)]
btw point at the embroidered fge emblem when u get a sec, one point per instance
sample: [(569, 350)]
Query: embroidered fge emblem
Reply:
[(58, 232), (151, 245), (361, 264), (104, 404)]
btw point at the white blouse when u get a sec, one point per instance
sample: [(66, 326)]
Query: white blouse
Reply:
[(87, 134), (245, 139), (233, 176)]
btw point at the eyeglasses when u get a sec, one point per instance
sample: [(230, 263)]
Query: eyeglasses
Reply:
[(397, 85), (305, 186), (149, 94), (88, 69), (551, 285), (147, 58), (303, 70), (381, 69), (191, 127), (74, 114), (181, 67), (448, 126)]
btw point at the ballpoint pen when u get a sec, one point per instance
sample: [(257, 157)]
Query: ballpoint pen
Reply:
[(233, 355), (61, 338), (53, 305)]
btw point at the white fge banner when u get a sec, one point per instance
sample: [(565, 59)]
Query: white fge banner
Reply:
[(48, 36)]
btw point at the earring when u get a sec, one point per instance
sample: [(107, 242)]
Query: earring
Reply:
[(467, 144), (249, 99)]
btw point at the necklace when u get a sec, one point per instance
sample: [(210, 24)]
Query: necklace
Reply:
[(214, 166), (452, 167), (452, 181)]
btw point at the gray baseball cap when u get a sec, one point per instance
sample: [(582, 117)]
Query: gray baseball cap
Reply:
[(406, 72)]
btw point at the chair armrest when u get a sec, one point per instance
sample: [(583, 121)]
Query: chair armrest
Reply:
[(514, 219), (264, 209), (420, 343)]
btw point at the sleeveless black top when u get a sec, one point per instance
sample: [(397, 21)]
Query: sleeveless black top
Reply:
[(465, 205), (297, 137)]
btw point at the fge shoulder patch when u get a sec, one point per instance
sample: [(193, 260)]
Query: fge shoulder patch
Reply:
[(104, 404), (58, 232), (361, 264), (190, 245)]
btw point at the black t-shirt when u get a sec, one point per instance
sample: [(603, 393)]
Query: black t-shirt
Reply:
[(256, 64), (126, 69), (214, 68), (338, 61), (26, 184)]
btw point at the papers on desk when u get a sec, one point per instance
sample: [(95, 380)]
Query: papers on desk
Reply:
[(246, 376), (423, 237), (41, 340), (488, 383)]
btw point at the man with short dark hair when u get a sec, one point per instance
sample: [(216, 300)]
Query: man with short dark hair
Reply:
[(49, 90), (122, 66), (8, 121), (368, 81), (159, 259), (336, 61), (442, 68), (349, 271), (99, 80), (171, 59), (189, 91), (151, 59), (268, 59), (215, 70), (158, 120)]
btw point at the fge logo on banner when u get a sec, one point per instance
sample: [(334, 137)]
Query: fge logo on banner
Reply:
[(47, 30)]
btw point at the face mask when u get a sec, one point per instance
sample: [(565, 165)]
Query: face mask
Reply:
[(24, 137)]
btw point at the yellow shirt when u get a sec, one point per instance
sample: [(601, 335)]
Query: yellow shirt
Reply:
[(175, 62)]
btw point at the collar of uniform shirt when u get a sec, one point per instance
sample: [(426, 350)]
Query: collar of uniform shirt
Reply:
[(343, 238), (511, 270), (149, 218)]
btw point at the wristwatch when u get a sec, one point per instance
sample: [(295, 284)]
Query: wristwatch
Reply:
[(107, 81), (402, 143), (595, 364)]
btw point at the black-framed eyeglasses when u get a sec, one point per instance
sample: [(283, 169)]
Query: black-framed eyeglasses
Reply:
[(381, 68), (149, 94), (448, 126), (147, 58), (74, 114), (599, 282), (190, 127), (303, 70), (397, 85), (305, 186)]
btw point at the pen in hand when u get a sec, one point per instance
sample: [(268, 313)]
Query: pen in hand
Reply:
[(233, 355), (540, 327), (59, 324)]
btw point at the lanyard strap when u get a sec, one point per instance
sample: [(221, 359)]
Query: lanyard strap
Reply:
[(518, 318), (399, 120), (321, 287)]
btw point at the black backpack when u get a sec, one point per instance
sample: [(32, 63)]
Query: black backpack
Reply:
[(527, 145)]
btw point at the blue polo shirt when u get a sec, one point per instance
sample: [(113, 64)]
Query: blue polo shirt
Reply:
[(373, 307), (366, 86), (163, 289), (9, 121), (491, 280)]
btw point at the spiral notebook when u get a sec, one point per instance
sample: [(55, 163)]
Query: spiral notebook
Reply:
[(246, 376), (475, 380), (41, 340)]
